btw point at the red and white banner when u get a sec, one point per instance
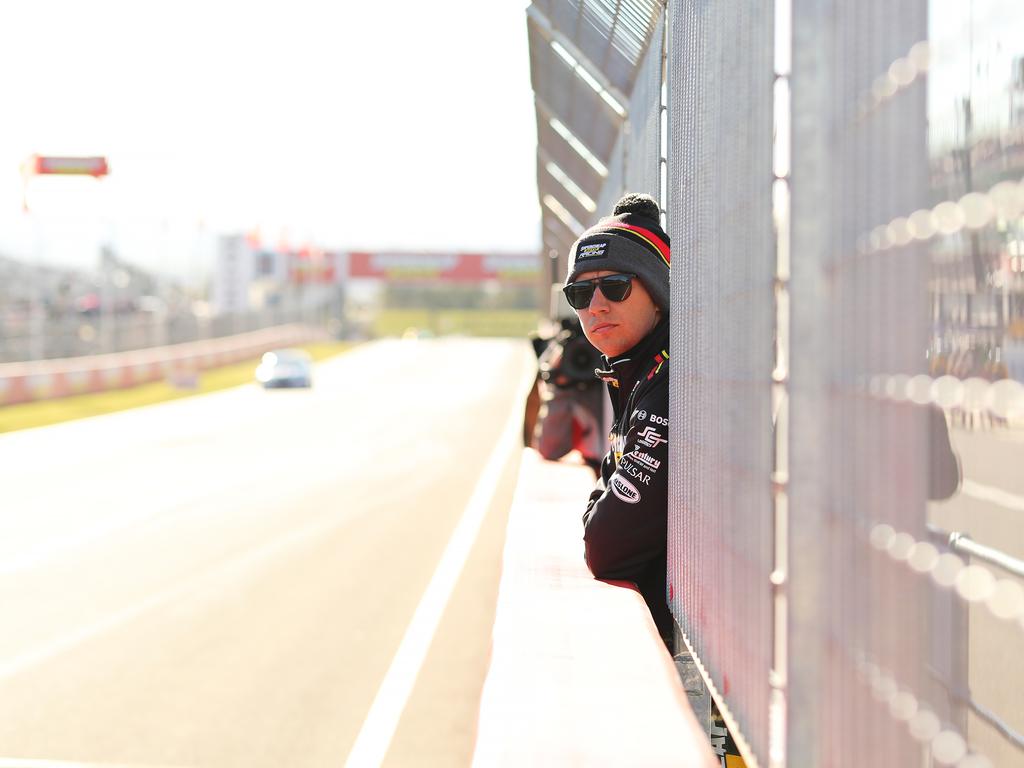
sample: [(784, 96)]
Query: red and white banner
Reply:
[(42, 165), (448, 267)]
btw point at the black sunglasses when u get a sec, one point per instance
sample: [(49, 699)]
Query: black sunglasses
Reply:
[(613, 287)]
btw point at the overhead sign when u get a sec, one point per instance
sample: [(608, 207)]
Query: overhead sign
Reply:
[(43, 165)]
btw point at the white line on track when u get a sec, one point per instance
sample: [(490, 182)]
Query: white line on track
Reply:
[(378, 729), (995, 495)]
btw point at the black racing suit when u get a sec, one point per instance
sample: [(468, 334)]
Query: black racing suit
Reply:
[(626, 522)]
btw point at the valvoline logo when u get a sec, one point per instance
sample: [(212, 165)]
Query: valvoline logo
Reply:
[(625, 490)]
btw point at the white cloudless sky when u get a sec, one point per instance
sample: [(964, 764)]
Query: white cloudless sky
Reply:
[(354, 125)]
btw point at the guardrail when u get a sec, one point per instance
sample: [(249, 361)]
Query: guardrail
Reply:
[(46, 379)]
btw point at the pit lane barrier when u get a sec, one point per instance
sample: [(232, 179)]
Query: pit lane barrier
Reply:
[(578, 672), (46, 379)]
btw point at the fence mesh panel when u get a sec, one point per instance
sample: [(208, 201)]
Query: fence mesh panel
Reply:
[(719, 204), (615, 182), (635, 161), (861, 624), (643, 141)]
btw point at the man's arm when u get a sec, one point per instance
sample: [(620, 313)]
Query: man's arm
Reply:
[(625, 525), (554, 434)]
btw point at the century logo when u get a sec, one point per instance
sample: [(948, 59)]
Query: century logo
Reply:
[(645, 460), (625, 490), (650, 437)]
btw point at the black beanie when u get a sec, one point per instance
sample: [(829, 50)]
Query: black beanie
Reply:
[(630, 240)]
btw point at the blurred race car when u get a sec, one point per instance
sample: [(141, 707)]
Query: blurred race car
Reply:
[(285, 368)]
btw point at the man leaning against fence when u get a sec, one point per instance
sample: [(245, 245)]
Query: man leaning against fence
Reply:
[(618, 283)]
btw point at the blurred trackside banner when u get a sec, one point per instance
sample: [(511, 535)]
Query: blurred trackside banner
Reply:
[(446, 267)]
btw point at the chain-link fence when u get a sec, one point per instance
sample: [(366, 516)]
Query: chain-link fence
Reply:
[(844, 193)]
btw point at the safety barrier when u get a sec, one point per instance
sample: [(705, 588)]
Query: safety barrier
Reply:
[(46, 379), (578, 674)]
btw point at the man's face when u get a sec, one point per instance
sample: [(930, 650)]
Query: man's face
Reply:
[(615, 327)]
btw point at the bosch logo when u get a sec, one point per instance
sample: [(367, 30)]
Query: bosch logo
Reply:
[(641, 415), (656, 419), (625, 490)]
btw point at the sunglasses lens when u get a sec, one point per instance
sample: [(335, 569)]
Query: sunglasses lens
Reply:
[(579, 294), (616, 287)]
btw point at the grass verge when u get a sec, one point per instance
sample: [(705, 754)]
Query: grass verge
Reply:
[(43, 412), (515, 323)]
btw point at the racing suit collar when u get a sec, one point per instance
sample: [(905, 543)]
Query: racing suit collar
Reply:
[(622, 370)]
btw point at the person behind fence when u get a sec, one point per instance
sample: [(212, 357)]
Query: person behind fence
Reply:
[(618, 283), (571, 413)]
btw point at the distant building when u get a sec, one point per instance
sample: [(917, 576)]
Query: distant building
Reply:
[(234, 271), (249, 277)]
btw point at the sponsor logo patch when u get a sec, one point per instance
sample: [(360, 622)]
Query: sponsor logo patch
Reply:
[(625, 490), (644, 460), (591, 250), (642, 415), (650, 437), (618, 445), (634, 471)]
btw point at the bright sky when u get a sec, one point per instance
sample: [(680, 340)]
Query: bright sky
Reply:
[(406, 124)]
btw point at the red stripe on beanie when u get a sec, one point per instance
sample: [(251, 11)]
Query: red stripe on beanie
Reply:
[(656, 241)]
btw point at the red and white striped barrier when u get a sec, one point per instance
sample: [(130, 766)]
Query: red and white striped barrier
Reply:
[(48, 379)]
